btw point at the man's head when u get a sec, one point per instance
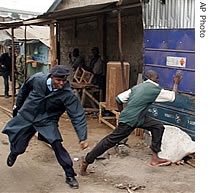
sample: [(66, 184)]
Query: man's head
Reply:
[(10, 49), (17, 50), (152, 75), (76, 52), (59, 74), (95, 51)]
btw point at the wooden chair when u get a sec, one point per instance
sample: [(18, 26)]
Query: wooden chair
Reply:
[(83, 76)]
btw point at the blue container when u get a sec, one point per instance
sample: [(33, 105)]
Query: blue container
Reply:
[(180, 113), (163, 48), (166, 51)]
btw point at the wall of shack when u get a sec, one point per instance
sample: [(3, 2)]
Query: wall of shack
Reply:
[(102, 31)]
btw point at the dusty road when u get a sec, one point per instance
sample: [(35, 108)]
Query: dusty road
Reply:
[(37, 171)]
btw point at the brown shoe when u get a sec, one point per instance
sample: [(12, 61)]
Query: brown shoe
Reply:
[(83, 167)]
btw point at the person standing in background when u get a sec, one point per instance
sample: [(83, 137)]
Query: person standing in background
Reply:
[(6, 70), (96, 66), (20, 65), (76, 60)]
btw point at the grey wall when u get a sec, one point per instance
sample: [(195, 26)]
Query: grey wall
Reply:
[(102, 31)]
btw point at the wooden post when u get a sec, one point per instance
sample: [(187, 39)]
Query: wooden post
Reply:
[(25, 54), (52, 45), (13, 68), (120, 50), (101, 35)]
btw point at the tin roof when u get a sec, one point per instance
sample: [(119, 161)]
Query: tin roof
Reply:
[(73, 12), (41, 33), (4, 36), (172, 14)]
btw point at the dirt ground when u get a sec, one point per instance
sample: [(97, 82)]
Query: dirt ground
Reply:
[(37, 171)]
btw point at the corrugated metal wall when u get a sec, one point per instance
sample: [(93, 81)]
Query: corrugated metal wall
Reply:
[(173, 14), (169, 46), (162, 45)]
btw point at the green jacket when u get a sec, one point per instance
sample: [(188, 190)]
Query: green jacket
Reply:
[(141, 96)]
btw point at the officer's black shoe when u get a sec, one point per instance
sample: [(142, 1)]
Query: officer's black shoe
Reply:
[(72, 182), (11, 159)]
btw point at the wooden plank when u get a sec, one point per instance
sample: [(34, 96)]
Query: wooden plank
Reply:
[(108, 123), (90, 109), (83, 76), (102, 105), (114, 83), (52, 45), (90, 96)]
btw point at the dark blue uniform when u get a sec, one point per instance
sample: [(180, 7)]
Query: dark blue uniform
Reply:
[(39, 111)]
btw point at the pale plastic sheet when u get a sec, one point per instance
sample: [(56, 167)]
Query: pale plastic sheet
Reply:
[(176, 144)]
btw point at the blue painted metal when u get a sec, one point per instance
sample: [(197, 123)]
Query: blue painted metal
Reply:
[(40, 53), (158, 44), (178, 39), (180, 113), (39, 68)]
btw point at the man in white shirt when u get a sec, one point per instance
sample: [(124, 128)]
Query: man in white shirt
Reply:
[(133, 115)]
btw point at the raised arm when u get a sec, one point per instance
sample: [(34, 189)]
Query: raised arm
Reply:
[(177, 80)]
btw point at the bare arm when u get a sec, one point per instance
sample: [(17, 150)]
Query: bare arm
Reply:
[(120, 107), (177, 80), (166, 95)]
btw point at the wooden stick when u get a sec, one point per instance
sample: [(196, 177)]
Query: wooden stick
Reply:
[(192, 164)]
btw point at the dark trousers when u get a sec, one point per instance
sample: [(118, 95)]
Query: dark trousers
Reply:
[(62, 155), (7, 77), (122, 131)]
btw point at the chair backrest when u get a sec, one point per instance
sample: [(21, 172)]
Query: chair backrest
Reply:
[(83, 76)]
